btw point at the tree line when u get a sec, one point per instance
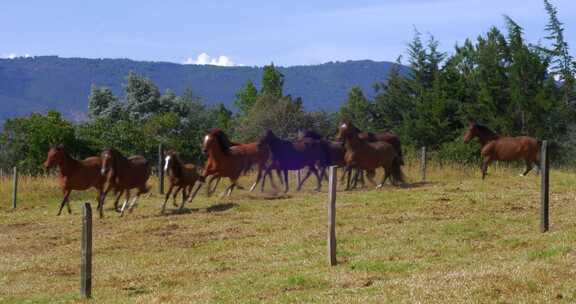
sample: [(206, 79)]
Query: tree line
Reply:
[(499, 79)]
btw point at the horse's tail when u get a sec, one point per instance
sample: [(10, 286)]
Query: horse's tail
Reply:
[(396, 173)]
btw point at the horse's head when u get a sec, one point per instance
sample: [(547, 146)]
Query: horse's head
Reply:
[(169, 159), (345, 130), (210, 140), (108, 158), (268, 137), (55, 156), (471, 132)]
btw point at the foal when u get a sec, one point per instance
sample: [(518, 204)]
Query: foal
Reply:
[(496, 147), (183, 177), (123, 173), (74, 174)]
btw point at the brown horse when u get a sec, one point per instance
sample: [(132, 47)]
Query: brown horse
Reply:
[(74, 174), (370, 155), (258, 156), (386, 136), (182, 177), (225, 159), (123, 174), (288, 155), (496, 147)]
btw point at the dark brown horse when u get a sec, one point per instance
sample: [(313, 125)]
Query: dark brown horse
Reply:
[(182, 177), (370, 155), (305, 152), (123, 174), (496, 147), (75, 174), (225, 159)]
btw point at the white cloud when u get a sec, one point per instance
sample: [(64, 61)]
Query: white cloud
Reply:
[(207, 59), (14, 56)]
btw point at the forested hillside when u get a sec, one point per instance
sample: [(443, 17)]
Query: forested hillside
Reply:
[(63, 84)]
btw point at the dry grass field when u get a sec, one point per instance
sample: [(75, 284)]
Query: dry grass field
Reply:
[(453, 239)]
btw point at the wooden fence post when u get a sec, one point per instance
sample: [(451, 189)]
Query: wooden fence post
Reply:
[(544, 189), (160, 169), (423, 163), (86, 264), (332, 181), (15, 189)]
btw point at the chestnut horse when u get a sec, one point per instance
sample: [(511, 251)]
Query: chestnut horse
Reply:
[(370, 155), (305, 152), (123, 174), (496, 147), (74, 174), (182, 177), (258, 156), (225, 159), (387, 136)]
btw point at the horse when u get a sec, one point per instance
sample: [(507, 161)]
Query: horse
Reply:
[(258, 155), (305, 152), (74, 174), (225, 159), (386, 136), (496, 147), (182, 177), (123, 174), (370, 155)]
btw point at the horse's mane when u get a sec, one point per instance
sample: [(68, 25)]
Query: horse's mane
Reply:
[(222, 140), (484, 129)]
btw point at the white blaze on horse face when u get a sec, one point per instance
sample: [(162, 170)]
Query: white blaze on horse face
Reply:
[(343, 126), (206, 138), (166, 163)]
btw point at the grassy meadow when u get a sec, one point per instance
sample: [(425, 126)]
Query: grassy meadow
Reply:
[(454, 238)]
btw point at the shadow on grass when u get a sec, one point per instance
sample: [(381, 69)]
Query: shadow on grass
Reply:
[(221, 207)]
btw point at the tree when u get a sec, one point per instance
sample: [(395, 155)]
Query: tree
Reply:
[(25, 141), (563, 66), (272, 81), (357, 109), (246, 97), (142, 96), (102, 103)]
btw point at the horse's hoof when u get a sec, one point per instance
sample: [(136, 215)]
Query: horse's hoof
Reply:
[(379, 186)]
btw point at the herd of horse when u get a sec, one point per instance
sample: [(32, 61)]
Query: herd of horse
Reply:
[(356, 151)]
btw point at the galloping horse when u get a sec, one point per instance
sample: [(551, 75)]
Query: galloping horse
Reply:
[(370, 155), (183, 177), (386, 136), (225, 159), (288, 155), (258, 155), (496, 147), (74, 174), (123, 174)]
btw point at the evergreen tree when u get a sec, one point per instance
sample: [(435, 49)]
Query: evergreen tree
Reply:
[(102, 103), (272, 81), (357, 109), (246, 97), (142, 96)]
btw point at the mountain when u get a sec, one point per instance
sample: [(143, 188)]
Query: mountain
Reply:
[(50, 82)]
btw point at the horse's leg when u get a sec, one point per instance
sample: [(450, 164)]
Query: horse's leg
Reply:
[(528, 168), (191, 197), (68, 205), (385, 176), (348, 178), (318, 177), (166, 197), (258, 177), (101, 201), (216, 185), (485, 165), (279, 173), (286, 180), (125, 202), (66, 195), (176, 195), (306, 177), (118, 197), (133, 204)]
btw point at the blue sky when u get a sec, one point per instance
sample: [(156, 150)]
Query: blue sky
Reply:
[(257, 32)]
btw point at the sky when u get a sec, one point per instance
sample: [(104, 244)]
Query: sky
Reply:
[(257, 32)]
